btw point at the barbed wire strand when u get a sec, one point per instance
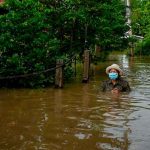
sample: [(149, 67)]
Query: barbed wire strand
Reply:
[(37, 73)]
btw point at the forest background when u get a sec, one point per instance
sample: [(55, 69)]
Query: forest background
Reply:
[(35, 33)]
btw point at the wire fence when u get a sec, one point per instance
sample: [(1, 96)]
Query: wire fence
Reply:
[(40, 72)]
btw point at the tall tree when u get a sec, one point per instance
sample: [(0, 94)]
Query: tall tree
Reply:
[(36, 32)]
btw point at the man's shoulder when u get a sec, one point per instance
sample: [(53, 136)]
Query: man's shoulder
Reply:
[(123, 81), (106, 81)]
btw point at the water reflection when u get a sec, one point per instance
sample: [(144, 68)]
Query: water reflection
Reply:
[(58, 103), (116, 130), (78, 116)]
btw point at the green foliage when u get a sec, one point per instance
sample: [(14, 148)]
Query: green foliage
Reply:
[(141, 25), (27, 42), (34, 33), (140, 17), (143, 47)]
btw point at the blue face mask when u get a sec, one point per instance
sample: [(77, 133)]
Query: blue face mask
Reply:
[(113, 75)]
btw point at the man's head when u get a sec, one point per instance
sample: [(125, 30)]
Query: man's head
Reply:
[(114, 71), (114, 68)]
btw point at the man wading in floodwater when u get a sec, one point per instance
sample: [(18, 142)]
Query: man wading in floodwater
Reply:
[(116, 83)]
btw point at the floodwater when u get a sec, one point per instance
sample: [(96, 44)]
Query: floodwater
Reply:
[(80, 116)]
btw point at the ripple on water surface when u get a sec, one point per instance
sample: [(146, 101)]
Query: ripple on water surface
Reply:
[(78, 116)]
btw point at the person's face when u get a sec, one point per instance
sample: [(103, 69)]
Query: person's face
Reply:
[(113, 74)]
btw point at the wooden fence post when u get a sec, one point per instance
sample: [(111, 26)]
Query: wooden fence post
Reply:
[(59, 74), (131, 49), (86, 66)]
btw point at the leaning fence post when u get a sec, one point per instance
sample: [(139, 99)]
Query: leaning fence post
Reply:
[(132, 50), (86, 66), (59, 74)]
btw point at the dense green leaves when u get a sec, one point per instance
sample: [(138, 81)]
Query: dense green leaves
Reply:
[(36, 32), (27, 42), (141, 24)]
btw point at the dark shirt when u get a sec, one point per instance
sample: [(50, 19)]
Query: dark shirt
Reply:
[(120, 84)]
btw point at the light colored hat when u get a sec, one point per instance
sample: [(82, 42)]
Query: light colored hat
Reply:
[(114, 66)]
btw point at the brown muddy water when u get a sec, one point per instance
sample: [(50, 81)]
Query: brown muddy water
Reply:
[(80, 116)]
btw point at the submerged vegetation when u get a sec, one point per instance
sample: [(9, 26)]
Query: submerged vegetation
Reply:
[(35, 33)]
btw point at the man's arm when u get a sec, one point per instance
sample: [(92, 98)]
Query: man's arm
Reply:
[(126, 87)]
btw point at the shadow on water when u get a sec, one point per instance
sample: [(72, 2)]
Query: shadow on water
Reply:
[(79, 116)]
